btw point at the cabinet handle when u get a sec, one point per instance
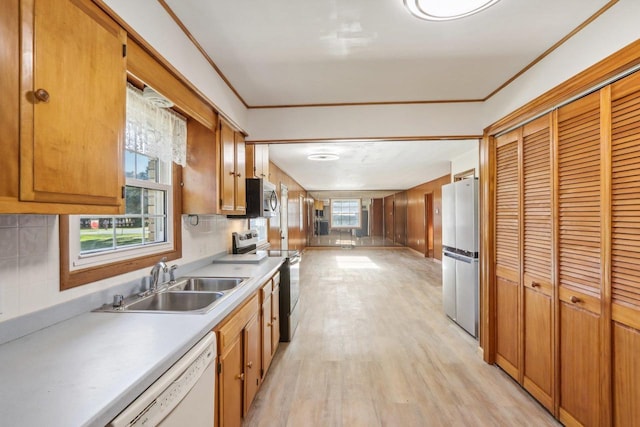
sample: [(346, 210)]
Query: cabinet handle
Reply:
[(269, 324), (239, 175), (42, 95), (574, 299), (250, 364), (232, 173), (275, 318), (240, 377), (535, 284)]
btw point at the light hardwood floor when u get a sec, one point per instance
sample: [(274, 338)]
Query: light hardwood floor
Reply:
[(374, 348)]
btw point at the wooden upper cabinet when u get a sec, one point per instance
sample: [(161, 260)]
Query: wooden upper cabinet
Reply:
[(199, 176), (232, 170), (240, 184), (72, 104), (258, 161)]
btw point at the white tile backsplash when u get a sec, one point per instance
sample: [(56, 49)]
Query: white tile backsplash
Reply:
[(9, 243), (33, 220), (8, 221), (30, 256)]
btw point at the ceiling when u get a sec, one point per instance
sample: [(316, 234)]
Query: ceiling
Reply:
[(309, 52), (370, 165)]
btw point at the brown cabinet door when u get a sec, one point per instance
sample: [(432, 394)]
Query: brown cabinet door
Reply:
[(72, 117), (267, 326), (231, 385), (625, 248), (252, 365), (580, 247), (240, 186), (199, 194), (537, 184), (228, 167), (275, 316), (508, 253)]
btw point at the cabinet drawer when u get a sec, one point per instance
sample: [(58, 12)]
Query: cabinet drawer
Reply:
[(233, 324), (266, 289)]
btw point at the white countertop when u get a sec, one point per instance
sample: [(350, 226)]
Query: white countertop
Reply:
[(86, 370)]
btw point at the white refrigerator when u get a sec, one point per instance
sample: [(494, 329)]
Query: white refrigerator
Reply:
[(460, 253)]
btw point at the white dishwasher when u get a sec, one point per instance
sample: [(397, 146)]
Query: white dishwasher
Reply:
[(182, 396)]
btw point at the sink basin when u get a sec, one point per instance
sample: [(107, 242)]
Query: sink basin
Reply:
[(212, 284), (176, 302)]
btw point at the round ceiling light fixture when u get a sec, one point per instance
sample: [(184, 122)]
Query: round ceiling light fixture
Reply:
[(323, 157), (446, 10)]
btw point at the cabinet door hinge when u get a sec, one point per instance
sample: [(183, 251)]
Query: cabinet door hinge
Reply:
[(123, 191), (219, 367), (124, 50)]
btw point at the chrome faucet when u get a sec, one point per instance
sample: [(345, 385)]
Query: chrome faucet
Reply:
[(155, 273)]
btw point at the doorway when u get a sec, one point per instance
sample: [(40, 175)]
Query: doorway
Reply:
[(428, 225)]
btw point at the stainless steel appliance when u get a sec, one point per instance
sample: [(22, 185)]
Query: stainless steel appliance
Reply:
[(460, 253), (184, 395), (244, 242), (289, 291), (261, 198)]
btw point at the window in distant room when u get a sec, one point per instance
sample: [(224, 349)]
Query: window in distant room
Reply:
[(345, 213)]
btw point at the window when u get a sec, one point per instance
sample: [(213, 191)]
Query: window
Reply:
[(155, 142), (345, 213), (144, 228)]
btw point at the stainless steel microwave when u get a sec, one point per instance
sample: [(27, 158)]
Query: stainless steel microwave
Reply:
[(262, 199)]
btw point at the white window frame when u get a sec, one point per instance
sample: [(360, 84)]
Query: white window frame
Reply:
[(78, 261), (343, 227)]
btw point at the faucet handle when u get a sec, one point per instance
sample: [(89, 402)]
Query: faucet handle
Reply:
[(172, 269)]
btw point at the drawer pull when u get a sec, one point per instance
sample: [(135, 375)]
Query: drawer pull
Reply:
[(240, 377), (250, 364), (535, 284), (574, 299)]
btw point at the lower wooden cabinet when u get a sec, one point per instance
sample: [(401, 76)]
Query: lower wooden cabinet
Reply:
[(252, 365), (238, 361), (247, 341), (507, 342), (270, 293)]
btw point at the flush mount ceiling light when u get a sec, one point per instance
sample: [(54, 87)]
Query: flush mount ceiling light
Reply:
[(323, 157), (446, 10)]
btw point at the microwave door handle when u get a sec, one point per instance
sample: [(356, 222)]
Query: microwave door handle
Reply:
[(273, 200)]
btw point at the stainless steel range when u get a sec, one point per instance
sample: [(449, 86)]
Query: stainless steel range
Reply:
[(289, 291), (244, 242)]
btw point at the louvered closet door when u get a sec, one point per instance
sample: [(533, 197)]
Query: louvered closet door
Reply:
[(625, 248), (507, 245), (579, 257), (537, 184)]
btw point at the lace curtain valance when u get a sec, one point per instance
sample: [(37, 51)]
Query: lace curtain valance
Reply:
[(154, 131)]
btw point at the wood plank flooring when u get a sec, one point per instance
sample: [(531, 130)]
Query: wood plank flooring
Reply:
[(374, 348)]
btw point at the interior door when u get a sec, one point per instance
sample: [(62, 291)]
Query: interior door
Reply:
[(284, 217)]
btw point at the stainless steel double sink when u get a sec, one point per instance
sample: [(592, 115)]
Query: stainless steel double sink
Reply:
[(187, 295)]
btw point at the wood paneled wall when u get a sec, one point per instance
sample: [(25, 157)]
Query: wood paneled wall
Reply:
[(389, 203), (297, 211), (416, 219), (400, 218)]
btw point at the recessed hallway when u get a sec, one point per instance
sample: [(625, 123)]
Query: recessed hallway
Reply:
[(374, 348)]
